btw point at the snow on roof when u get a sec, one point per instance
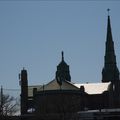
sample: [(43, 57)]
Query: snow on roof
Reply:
[(94, 88), (90, 88)]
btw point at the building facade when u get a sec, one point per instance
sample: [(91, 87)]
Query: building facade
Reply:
[(62, 96)]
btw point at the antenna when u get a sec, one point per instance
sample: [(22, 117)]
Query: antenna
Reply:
[(1, 92), (19, 76), (19, 79)]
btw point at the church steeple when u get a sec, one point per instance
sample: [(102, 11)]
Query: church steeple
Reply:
[(63, 72), (110, 71)]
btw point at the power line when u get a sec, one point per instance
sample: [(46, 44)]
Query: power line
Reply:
[(9, 89)]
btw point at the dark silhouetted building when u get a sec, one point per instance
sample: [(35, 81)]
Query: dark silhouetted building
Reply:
[(62, 96)]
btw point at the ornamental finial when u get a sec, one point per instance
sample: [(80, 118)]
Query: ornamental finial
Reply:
[(108, 11), (62, 56)]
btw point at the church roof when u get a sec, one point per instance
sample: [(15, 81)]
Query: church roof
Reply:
[(90, 88), (94, 88), (54, 85)]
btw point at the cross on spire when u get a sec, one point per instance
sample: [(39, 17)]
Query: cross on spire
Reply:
[(110, 72), (108, 11)]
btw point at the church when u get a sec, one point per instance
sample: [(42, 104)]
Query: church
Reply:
[(62, 96)]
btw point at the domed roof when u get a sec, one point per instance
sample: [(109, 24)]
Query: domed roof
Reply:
[(63, 72)]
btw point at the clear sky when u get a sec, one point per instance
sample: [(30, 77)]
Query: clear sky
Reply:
[(33, 34)]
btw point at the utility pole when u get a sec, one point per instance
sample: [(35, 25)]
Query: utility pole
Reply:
[(1, 99)]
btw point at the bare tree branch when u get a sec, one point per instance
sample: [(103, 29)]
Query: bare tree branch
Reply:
[(9, 105)]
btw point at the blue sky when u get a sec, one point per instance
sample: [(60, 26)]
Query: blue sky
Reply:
[(33, 34)]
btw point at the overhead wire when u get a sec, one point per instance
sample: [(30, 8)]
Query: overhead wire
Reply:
[(9, 89)]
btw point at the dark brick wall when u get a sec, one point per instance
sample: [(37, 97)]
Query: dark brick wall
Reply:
[(68, 102)]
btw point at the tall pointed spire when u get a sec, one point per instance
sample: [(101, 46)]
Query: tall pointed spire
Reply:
[(110, 71)]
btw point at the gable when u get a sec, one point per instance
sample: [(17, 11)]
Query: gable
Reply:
[(53, 85)]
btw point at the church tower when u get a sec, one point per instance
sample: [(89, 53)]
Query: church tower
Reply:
[(24, 91), (110, 72), (63, 72)]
